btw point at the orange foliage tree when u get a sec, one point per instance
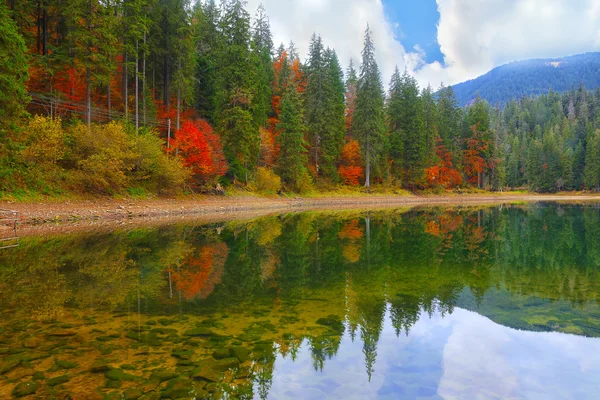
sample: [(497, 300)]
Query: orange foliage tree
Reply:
[(474, 162), (282, 68), (443, 174), (201, 271), (200, 149), (350, 168)]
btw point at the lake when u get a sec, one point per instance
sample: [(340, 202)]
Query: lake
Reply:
[(496, 302)]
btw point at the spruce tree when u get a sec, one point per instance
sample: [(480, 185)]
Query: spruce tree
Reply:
[(262, 45), (369, 118), (208, 43), (292, 147), (13, 71), (237, 88), (592, 162), (334, 114)]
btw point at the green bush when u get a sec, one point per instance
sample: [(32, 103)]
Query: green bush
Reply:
[(266, 181)]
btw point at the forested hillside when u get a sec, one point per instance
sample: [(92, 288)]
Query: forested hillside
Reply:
[(165, 96), (532, 78)]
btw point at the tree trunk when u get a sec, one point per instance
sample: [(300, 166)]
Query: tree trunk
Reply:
[(88, 99), (368, 165), (137, 94), (108, 100), (144, 82), (125, 91)]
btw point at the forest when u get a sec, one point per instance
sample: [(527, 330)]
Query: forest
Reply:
[(169, 96)]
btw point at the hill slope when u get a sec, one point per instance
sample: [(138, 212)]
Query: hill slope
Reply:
[(532, 77)]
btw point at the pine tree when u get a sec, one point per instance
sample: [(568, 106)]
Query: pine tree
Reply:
[(208, 43), (369, 119), (262, 44), (237, 88), (592, 162), (394, 113), (292, 147), (449, 118), (334, 114), (430, 119), (351, 88), (13, 71), (90, 42)]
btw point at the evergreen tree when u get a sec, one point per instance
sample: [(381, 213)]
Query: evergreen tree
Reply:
[(262, 44), (351, 88), (237, 88), (292, 147), (208, 43), (412, 126), (430, 119), (592, 162), (394, 122), (449, 119), (369, 118), (333, 136), (13, 71)]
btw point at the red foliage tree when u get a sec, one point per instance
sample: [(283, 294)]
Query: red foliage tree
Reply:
[(443, 174), (201, 150), (350, 168), (474, 162)]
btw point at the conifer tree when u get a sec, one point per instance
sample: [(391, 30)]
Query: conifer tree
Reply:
[(292, 159), (13, 71), (351, 88), (592, 162), (237, 88), (208, 43), (369, 119), (262, 44)]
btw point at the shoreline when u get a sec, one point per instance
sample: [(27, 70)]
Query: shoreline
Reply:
[(226, 207)]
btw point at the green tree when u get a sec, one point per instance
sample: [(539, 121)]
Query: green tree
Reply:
[(592, 162), (237, 88), (292, 147), (262, 45), (13, 72), (369, 118), (208, 43)]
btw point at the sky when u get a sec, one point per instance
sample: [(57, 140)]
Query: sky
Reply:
[(439, 41)]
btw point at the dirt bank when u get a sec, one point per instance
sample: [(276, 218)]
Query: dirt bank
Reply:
[(103, 210)]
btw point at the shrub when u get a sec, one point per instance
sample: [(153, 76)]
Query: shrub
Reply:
[(266, 181), (43, 140), (153, 169), (102, 154), (304, 183)]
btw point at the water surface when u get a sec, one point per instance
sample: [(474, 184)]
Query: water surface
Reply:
[(432, 303)]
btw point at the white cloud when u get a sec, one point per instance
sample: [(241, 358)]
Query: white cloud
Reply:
[(474, 35)]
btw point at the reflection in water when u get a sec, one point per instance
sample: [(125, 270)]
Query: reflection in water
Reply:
[(430, 303)]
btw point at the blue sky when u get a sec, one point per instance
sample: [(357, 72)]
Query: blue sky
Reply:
[(416, 22)]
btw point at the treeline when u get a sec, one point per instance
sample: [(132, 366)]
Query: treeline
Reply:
[(235, 109), (552, 142)]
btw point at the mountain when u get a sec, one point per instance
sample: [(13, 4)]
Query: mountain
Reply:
[(531, 78)]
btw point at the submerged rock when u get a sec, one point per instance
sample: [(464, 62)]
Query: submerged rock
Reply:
[(117, 374), (59, 380), (132, 394), (163, 376), (221, 353), (239, 352), (25, 388)]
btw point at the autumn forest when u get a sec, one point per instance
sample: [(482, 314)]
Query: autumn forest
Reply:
[(170, 96)]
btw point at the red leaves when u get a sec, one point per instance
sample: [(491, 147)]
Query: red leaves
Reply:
[(200, 149), (350, 169), (443, 174), (473, 161)]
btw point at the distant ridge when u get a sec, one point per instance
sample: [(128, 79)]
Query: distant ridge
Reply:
[(531, 78)]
